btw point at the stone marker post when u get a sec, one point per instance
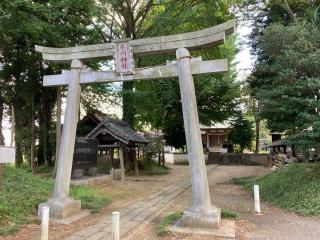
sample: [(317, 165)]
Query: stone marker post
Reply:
[(61, 205), (257, 209), (201, 213), (44, 223), (115, 225)]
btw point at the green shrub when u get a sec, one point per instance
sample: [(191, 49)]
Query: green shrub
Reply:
[(150, 167), (296, 188), (162, 228), (229, 214), (44, 169), (22, 192), (11, 229)]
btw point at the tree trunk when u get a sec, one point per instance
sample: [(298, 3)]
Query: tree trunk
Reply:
[(19, 155), (134, 157), (159, 159), (257, 135), (58, 130), (255, 110), (12, 127), (128, 107), (1, 118), (17, 136), (44, 150), (163, 157), (33, 140)]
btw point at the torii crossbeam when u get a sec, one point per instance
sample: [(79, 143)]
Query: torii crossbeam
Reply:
[(202, 213)]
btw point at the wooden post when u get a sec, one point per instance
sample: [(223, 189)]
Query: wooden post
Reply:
[(121, 155)]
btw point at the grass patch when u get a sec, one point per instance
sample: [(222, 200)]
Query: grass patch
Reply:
[(90, 198), (162, 228), (152, 168), (295, 188), (229, 214), (22, 192)]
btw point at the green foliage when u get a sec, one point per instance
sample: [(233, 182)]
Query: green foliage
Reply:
[(241, 133), (286, 82), (154, 147), (152, 152), (9, 230), (216, 93), (296, 188), (22, 192), (162, 227), (229, 214), (150, 167), (43, 169)]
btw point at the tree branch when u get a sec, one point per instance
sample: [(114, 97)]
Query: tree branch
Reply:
[(287, 7)]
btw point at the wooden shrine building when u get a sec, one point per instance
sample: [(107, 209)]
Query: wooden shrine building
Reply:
[(111, 134)]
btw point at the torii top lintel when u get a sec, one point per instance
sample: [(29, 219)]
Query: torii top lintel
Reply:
[(209, 37)]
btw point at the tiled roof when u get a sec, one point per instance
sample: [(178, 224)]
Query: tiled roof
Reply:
[(118, 129)]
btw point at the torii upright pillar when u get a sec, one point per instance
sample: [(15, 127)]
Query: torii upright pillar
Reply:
[(201, 214), (61, 205)]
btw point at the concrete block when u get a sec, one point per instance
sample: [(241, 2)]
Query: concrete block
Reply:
[(209, 219), (226, 230), (62, 208)]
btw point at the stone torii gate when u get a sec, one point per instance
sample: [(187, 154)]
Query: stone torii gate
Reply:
[(202, 213)]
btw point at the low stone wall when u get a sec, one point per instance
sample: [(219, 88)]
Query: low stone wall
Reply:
[(179, 158), (93, 181), (238, 159), (260, 159)]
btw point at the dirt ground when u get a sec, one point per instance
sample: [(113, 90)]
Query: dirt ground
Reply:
[(274, 224)]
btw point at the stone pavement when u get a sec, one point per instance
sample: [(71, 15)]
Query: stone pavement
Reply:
[(137, 214)]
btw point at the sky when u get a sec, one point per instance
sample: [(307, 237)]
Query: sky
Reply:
[(243, 59), (244, 63)]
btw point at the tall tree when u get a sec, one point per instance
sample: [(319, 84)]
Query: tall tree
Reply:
[(287, 81), (241, 133), (24, 24)]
